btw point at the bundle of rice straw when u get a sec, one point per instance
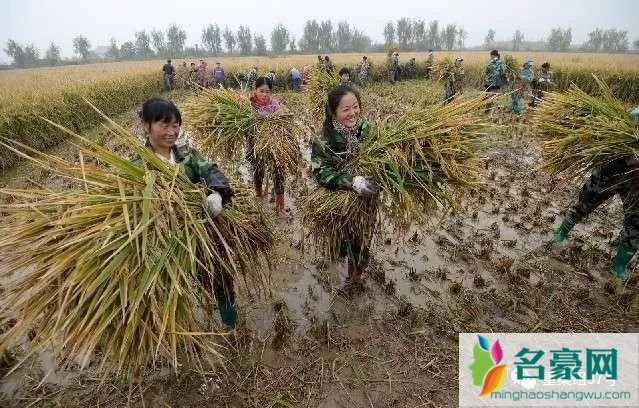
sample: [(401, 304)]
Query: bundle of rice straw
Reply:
[(114, 265), (221, 119), (423, 163), (578, 131), (320, 83)]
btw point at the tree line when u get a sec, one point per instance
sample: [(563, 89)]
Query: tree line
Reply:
[(317, 37)]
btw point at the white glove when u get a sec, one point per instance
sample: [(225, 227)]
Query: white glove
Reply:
[(635, 113), (213, 204), (364, 186)]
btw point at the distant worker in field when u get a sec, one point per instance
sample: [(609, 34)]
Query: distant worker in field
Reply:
[(320, 61), (363, 71), (345, 77), (218, 76), (430, 62), (162, 120), (543, 84), (328, 65), (192, 81), (620, 176), (271, 77), (495, 73), (203, 73), (411, 68), (296, 79), (523, 86), (252, 77), (454, 80), (169, 75), (393, 68)]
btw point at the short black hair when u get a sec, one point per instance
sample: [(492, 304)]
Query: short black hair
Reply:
[(494, 53), (545, 65), (263, 81), (160, 110), (326, 58), (364, 57), (344, 70), (169, 61)]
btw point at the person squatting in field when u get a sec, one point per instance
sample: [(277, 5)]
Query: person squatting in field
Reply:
[(162, 121), (522, 85), (620, 176), (264, 104), (343, 131)]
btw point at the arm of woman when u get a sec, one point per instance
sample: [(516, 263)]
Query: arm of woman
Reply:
[(207, 171), (324, 165)]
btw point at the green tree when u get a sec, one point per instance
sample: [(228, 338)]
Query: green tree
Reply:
[(518, 39), (344, 37), (310, 41), (212, 39), (245, 40), (260, 45), (279, 39), (433, 39), (449, 35), (175, 39), (461, 37), (419, 34), (229, 40), (157, 37), (127, 50), (404, 32), (81, 47), (113, 52), (389, 34), (489, 40), (143, 44), (326, 36), (53, 54), (15, 51)]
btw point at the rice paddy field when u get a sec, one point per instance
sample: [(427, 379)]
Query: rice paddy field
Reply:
[(491, 266)]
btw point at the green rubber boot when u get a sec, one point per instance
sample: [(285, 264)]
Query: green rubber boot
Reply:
[(561, 233), (228, 312), (621, 261)]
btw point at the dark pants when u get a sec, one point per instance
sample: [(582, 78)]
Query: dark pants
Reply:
[(222, 286), (357, 251), (297, 84), (618, 177), (258, 169)]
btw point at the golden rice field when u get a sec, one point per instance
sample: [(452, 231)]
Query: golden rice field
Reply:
[(57, 93)]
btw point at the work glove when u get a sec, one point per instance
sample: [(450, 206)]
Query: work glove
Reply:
[(635, 113), (365, 186), (213, 204)]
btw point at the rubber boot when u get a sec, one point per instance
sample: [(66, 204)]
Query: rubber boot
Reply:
[(621, 261), (279, 202), (228, 313), (561, 233), (258, 192)]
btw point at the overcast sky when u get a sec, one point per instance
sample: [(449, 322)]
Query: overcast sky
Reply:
[(44, 21)]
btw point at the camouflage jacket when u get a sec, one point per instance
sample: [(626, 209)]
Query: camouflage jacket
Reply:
[(199, 169), (329, 156), (495, 73)]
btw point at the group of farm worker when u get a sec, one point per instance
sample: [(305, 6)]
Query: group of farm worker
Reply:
[(344, 129)]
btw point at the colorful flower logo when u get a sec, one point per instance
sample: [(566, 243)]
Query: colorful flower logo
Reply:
[(485, 369)]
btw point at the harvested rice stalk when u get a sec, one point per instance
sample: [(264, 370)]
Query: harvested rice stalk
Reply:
[(423, 163), (320, 83), (578, 131), (115, 264), (221, 120)]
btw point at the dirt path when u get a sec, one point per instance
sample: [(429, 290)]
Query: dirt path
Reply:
[(490, 267)]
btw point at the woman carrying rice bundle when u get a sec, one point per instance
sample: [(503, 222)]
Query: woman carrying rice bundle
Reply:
[(264, 104), (162, 121), (342, 132)]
